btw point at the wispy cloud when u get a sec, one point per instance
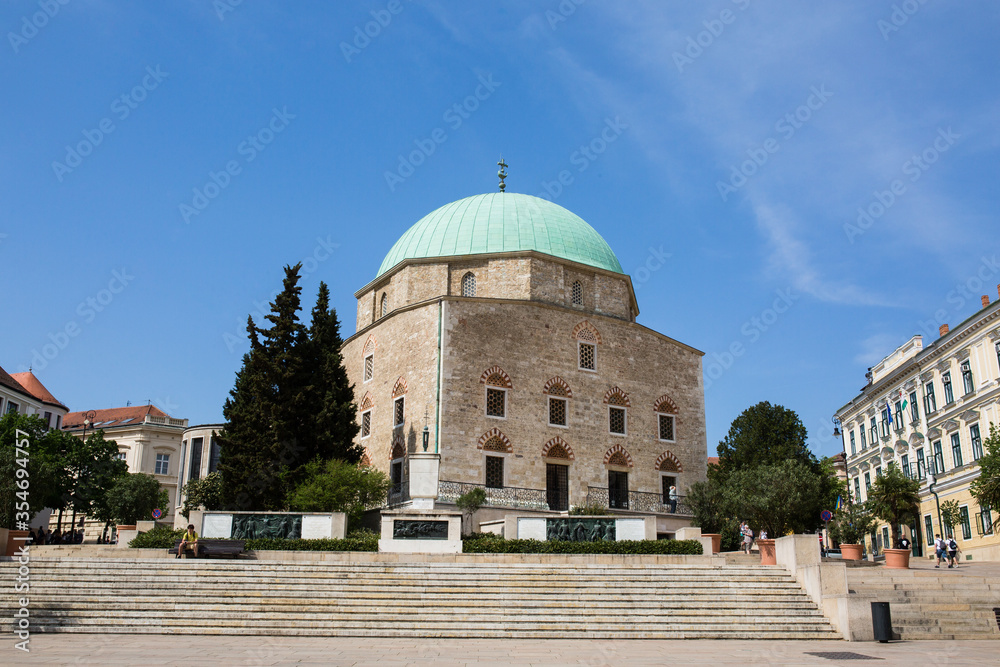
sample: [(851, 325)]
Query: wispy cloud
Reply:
[(875, 348)]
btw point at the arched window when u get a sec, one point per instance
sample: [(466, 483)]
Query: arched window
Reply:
[(469, 284), (577, 293), (384, 307)]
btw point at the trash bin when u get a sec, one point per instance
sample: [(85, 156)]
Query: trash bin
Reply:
[(881, 622)]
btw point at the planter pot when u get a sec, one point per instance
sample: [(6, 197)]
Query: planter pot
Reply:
[(15, 539), (716, 541), (850, 551), (767, 555), (897, 559)]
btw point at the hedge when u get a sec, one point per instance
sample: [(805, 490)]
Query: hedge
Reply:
[(481, 544), (164, 538)]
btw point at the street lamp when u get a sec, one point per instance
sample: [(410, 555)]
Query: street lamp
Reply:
[(931, 481), (836, 427), (88, 418)]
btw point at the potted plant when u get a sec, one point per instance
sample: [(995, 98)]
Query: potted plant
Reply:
[(894, 499), (706, 503), (849, 528)]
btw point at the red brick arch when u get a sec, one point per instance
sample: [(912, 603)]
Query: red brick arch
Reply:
[(666, 405), (398, 448), (367, 403), (399, 388), (556, 386), (495, 376), (557, 448), (616, 396), (370, 346), (667, 462), (618, 456), (494, 440), (588, 332)]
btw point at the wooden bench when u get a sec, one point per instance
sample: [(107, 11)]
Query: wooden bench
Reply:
[(208, 547)]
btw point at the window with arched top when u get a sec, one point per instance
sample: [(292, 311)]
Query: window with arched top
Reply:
[(469, 284), (577, 293), (384, 306)]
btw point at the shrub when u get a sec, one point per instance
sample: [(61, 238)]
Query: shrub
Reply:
[(368, 542), (160, 537), (486, 543), (588, 510)]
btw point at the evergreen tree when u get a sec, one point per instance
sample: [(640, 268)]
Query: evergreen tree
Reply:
[(763, 434), (291, 404)]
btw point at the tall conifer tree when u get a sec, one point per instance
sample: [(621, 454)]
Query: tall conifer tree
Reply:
[(291, 403)]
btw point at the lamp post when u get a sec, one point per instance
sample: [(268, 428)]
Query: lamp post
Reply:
[(932, 480), (87, 421)]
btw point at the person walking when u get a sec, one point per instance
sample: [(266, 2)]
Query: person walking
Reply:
[(747, 538), (952, 552), (939, 549)]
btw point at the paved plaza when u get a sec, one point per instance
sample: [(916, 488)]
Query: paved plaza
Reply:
[(67, 649)]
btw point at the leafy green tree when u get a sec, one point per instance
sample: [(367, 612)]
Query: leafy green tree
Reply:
[(707, 501), (779, 498), (852, 523), (894, 498), (337, 486), (93, 467), (470, 502), (133, 497), (291, 403), (951, 516), (205, 492), (763, 435), (986, 488), (45, 484)]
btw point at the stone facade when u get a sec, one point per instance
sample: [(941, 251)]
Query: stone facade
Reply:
[(522, 320)]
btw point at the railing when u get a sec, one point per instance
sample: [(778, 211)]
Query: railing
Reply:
[(636, 501), (506, 496)]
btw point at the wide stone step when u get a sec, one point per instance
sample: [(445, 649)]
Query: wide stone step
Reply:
[(728, 632)]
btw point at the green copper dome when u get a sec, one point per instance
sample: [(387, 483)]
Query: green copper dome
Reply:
[(502, 222)]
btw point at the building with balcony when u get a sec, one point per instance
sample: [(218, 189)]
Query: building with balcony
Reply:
[(149, 441), (500, 333), (926, 409)]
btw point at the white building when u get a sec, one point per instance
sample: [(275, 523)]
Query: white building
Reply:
[(24, 393)]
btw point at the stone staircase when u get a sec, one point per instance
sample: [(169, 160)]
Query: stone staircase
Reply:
[(932, 604), (469, 597)]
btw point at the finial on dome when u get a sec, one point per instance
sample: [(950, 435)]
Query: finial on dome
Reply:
[(502, 173)]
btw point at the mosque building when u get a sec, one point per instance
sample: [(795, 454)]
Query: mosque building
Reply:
[(500, 333)]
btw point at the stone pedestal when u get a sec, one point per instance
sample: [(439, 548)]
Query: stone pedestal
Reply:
[(421, 531), (694, 533), (424, 469)]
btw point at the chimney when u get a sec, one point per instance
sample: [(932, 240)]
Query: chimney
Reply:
[(986, 300), (943, 330)]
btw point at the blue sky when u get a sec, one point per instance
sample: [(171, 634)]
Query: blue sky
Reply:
[(158, 167)]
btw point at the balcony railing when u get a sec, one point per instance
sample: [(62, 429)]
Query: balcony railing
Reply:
[(506, 496), (636, 501)]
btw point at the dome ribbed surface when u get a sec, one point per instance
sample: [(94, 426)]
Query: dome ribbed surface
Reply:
[(502, 222)]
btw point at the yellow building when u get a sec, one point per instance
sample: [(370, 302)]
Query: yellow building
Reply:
[(928, 409)]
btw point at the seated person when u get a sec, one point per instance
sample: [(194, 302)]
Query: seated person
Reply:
[(189, 539)]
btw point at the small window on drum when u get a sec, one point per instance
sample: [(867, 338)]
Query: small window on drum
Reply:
[(469, 284), (577, 293)]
